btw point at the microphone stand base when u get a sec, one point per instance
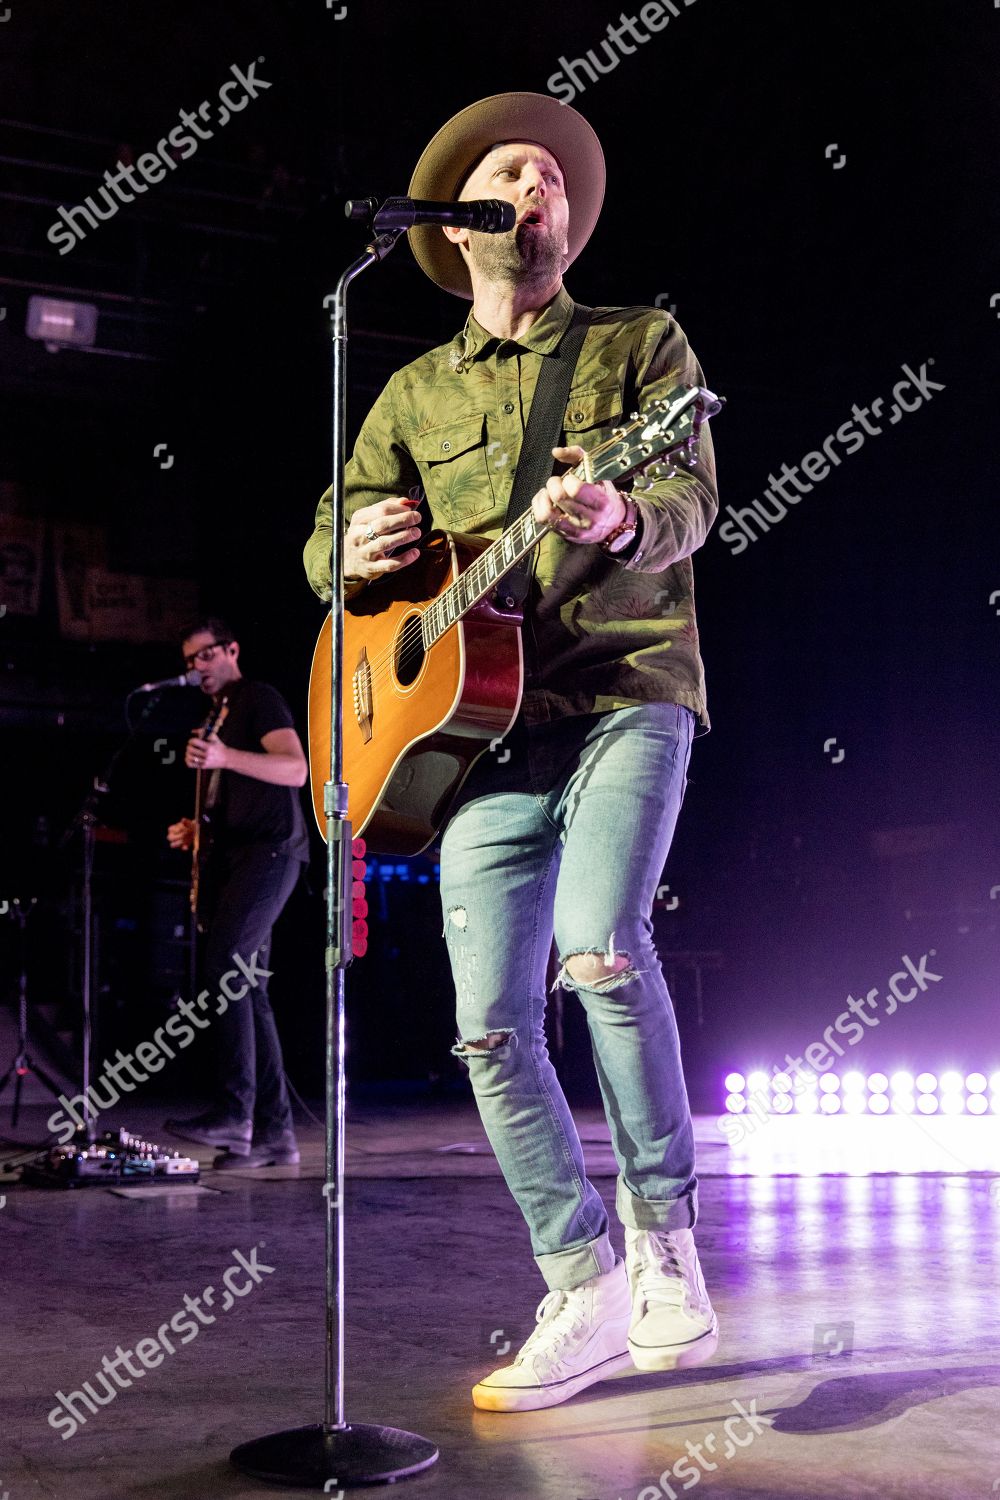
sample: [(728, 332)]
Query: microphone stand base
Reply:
[(327, 1458)]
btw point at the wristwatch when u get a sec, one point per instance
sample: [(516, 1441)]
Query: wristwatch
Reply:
[(616, 541)]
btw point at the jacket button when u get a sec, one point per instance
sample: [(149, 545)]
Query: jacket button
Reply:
[(445, 447), (578, 416), (508, 406)]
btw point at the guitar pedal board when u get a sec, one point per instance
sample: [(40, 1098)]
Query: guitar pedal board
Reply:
[(115, 1158)]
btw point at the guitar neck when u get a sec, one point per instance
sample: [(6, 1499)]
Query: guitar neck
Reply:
[(483, 575)]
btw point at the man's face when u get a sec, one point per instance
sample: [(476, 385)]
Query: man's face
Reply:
[(216, 662), (535, 250)]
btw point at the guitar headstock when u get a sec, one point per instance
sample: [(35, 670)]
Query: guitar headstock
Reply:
[(667, 429)]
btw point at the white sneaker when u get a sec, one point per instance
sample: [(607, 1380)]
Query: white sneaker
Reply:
[(581, 1338), (673, 1325)]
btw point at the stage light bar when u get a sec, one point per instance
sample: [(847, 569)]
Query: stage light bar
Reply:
[(951, 1092)]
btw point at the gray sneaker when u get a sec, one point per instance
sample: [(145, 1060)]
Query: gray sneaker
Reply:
[(211, 1129), (281, 1151)]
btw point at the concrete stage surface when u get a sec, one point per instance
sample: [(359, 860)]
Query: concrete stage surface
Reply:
[(859, 1318)]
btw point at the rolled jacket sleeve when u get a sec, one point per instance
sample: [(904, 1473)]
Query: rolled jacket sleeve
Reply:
[(677, 514)]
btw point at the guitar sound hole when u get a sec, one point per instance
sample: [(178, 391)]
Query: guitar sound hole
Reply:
[(409, 650)]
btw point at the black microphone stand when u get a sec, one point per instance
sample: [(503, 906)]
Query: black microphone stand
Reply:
[(24, 1063), (85, 820), (334, 1452)]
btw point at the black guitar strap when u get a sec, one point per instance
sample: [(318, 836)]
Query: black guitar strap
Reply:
[(545, 424)]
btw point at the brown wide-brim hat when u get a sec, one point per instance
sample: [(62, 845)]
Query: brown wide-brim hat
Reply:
[(465, 139)]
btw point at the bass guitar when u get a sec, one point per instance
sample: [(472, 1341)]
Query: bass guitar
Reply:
[(205, 795), (433, 670)]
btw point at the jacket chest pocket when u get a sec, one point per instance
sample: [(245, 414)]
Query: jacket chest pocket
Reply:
[(587, 411), (454, 467)]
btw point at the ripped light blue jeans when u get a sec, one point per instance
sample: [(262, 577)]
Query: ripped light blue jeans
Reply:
[(563, 829)]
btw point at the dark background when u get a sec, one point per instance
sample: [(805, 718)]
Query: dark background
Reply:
[(863, 616)]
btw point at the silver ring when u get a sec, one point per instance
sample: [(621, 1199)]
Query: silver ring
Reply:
[(371, 534)]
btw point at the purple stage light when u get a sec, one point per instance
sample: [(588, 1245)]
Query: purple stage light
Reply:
[(950, 1093)]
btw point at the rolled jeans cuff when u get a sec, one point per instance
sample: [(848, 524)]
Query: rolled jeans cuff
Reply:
[(656, 1213), (565, 1269)]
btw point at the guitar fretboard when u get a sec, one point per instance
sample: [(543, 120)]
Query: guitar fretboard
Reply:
[(478, 579)]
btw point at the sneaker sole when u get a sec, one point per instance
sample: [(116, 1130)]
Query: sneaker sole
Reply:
[(675, 1356), (535, 1398)]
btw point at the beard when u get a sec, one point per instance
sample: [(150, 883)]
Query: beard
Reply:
[(532, 254)]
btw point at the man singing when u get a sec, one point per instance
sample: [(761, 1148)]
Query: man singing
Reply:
[(256, 844), (567, 835)]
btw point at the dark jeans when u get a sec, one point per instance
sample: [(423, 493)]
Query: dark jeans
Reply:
[(246, 890)]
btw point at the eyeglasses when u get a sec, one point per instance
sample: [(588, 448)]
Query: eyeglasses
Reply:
[(204, 654)]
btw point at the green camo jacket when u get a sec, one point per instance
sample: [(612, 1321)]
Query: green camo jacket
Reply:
[(599, 633)]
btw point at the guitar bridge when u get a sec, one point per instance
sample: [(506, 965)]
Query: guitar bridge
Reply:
[(362, 685)]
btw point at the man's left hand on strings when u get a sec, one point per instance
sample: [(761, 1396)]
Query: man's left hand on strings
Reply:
[(578, 511)]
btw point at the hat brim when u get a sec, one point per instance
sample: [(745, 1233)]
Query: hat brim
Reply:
[(467, 136)]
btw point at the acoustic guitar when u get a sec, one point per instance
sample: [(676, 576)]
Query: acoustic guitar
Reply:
[(204, 798), (434, 670)]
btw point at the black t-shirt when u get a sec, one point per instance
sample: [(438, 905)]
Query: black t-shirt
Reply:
[(248, 811)]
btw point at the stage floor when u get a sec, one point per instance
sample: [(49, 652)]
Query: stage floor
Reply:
[(859, 1321)]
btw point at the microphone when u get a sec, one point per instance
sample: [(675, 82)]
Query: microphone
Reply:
[(486, 215), (188, 679)]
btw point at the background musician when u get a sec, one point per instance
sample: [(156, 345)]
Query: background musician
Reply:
[(253, 846)]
